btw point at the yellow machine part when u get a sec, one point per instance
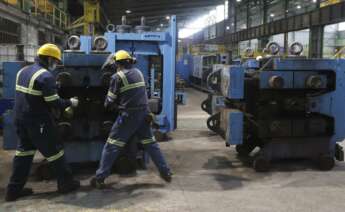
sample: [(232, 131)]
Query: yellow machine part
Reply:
[(207, 48), (44, 6), (13, 2), (90, 18), (329, 2), (91, 11)]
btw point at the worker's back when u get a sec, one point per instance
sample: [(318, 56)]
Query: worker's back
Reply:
[(131, 89), (30, 83)]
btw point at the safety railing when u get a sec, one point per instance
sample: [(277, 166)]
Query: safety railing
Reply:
[(42, 8)]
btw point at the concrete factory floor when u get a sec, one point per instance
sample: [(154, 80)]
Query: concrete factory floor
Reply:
[(208, 177)]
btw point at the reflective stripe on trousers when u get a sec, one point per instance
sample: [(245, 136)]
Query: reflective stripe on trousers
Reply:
[(32, 153), (25, 153)]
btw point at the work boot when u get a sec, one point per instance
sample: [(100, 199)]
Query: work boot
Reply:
[(68, 187), (97, 183), (166, 176), (11, 196)]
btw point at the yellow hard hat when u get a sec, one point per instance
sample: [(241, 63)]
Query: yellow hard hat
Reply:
[(122, 55), (50, 50)]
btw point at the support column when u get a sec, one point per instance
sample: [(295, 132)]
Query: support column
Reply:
[(316, 42)]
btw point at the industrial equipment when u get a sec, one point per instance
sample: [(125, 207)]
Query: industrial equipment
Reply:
[(202, 66), (85, 129), (289, 107), (91, 18)]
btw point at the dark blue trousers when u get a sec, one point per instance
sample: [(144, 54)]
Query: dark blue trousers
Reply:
[(127, 125), (37, 134)]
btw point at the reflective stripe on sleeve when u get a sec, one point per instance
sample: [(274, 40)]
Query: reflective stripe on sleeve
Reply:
[(127, 86), (111, 95), (132, 86), (51, 98), (28, 91)]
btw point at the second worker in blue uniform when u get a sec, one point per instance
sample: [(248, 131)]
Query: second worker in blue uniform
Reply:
[(127, 91)]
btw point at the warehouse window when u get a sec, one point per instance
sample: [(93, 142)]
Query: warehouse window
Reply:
[(214, 16), (256, 15), (241, 16), (279, 38), (9, 31), (301, 6), (275, 10), (333, 40), (226, 10), (302, 37), (252, 44)]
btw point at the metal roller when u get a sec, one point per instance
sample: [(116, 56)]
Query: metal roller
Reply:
[(65, 130), (100, 43), (314, 82), (111, 28), (142, 27), (276, 82), (296, 49), (73, 42), (123, 28), (273, 48), (64, 79)]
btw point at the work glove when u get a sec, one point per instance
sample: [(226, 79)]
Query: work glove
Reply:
[(68, 113), (109, 64), (149, 118), (74, 101)]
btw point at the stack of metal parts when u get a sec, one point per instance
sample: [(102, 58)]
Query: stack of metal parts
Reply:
[(290, 107)]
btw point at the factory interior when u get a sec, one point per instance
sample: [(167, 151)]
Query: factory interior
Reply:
[(160, 105)]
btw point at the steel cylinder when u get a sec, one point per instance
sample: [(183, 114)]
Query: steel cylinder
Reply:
[(276, 82), (314, 82)]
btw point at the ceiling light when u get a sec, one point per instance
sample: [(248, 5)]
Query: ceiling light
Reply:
[(238, 0), (161, 25), (227, 27), (272, 15), (299, 7), (167, 17), (128, 11)]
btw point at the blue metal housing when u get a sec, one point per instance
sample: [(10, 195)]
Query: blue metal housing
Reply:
[(141, 45), (184, 67), (289, 107)]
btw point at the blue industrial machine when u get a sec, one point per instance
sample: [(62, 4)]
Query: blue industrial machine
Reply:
[(184, 67), (289, 107), (85, 131)]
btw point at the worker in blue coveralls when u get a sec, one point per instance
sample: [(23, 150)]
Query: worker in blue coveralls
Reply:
[(36, 99), (127, 91)]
